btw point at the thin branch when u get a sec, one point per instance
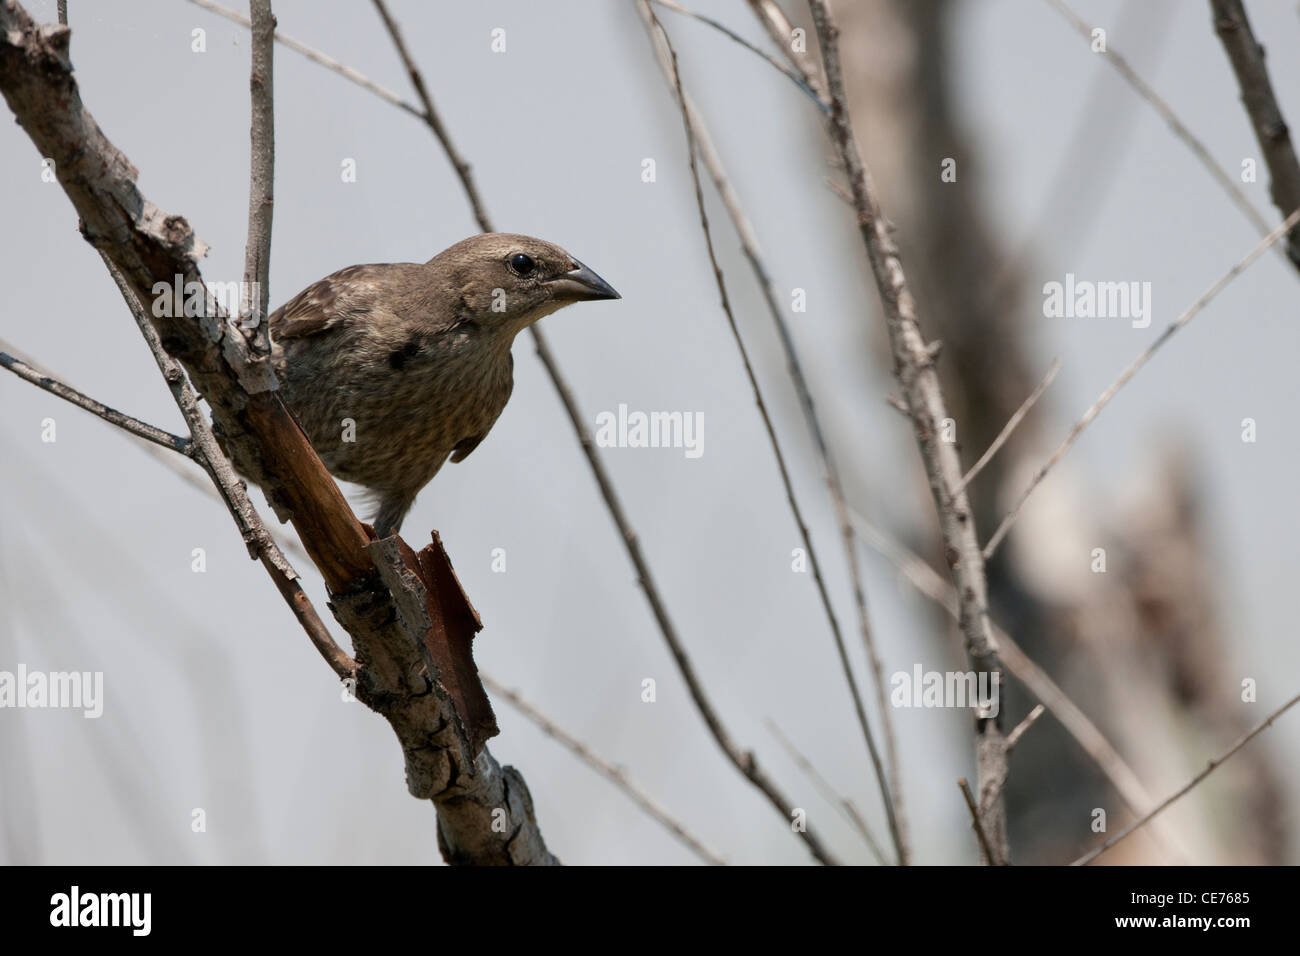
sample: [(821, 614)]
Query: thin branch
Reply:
[(1132, 370), (317, 57), (779, 28), (111, 415), (1083, 176), (615, 774), (1144, 90), (898, 405), (1031, 718), (1010, 426), (823, 786), (1210, 767), (722, 28), (1247, 58), (214, 461), (744, 761), (63, 12), (886, 792), (434, 121), (261, 178), (298, 601), (749, 244), (840, 192), (986, 852), (914, 368), (930, 584)]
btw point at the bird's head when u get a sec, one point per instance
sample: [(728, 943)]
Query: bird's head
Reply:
[(509, 281)]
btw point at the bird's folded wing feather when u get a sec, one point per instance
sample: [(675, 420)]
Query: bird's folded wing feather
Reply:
[(329, 303)]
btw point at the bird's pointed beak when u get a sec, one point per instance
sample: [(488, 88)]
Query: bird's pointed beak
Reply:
[(581, 283)]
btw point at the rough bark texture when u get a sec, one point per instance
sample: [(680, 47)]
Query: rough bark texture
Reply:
[(375, 595)]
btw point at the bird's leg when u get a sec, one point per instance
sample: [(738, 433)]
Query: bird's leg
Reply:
[(392, 509)]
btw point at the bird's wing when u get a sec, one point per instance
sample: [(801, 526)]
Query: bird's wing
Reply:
[(467, 445), (329, 303), (462, 450)]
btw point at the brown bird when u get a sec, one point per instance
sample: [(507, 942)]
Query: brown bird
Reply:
[(391, 368)]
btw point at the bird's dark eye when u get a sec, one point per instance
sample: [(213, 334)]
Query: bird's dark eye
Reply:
[(522, 264)]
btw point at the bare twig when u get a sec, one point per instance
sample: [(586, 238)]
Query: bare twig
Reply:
[(842, 803), (753, 254), (779, 28), (298, 601), (213, 460), (317, 57), (434, 121), (615, 774), (1132, 370), (689, 118), (261, 178), (1144, 90), (1010, 426), (744, 761), (839, 191), (898, 405), (722, 28), (986, 852), (1084, 175), (914, 368), (111, 415), (1031, 718), (1210, 767), (63, 12), (1247, 58)]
